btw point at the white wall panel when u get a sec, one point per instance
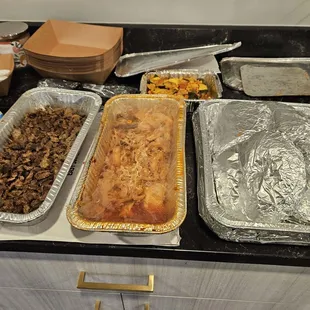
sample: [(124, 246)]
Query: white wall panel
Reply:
[(204, 12)]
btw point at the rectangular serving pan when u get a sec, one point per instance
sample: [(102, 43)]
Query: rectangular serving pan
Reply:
[(231, 67), (88, 175), (37, 98), (208, 205), (210, 78)]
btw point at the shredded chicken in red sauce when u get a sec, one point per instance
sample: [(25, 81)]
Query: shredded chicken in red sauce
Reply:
[(132, 183)]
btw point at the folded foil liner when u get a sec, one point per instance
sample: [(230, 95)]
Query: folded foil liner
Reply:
[(133, 64), (253, 160)]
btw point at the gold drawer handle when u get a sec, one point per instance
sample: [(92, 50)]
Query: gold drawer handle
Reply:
[(97, 305), (115, 287), (147, 307)]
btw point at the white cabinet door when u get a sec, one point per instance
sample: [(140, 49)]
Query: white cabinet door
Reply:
[(245, 282), (136, 302), (21, 299)]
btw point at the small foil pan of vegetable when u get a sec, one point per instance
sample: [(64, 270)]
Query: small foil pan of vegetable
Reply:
[(190, 84), (40, 137), (134, 177), (253, 160)]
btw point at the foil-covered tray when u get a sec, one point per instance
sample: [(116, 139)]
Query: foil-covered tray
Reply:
[(253, 161), (231, 68), (37, 98), (176, 179), (132, 64)]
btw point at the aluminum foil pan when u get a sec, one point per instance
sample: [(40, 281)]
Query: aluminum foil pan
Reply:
[(231, 67), (89, 175), (36, 98), (253, 160), (210, 78), (132, 64)]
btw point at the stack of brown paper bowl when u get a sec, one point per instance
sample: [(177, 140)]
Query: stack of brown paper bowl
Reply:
[(73, 51), (6, 63)]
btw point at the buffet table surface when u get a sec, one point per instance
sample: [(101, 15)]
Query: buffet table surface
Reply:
[(198, 242)]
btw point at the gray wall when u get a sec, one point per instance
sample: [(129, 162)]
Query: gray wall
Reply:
[(204, 12)]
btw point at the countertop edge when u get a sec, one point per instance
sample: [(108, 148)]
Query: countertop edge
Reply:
[(69, 248)]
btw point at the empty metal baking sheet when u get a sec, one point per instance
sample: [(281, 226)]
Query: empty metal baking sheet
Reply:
[(260, 81), (231, 73)]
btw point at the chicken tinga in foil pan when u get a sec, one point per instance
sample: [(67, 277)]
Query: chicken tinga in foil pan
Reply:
[(134, 179), (253, 163), (39, 139)]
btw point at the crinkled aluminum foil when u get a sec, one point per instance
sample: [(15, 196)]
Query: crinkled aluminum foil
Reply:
[(109, 91), (254, 170), (132, 64), (58, 83)]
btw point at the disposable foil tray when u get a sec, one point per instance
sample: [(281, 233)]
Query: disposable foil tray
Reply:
[(210, 78), (176, 182), (267, 76), (253, 162), (85, 102)]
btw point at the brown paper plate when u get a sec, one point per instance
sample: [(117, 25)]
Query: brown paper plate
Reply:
[(67, 39)]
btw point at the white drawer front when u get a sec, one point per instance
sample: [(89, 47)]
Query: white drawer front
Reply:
[(171, 303), (245, 282), (21, 299)]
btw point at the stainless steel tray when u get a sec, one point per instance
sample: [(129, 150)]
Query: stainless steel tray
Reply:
[(85, 102), (262, 81), (132, 64), (223, 224), (231, 67)]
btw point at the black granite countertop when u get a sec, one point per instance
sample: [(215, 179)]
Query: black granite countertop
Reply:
[(198, 242)]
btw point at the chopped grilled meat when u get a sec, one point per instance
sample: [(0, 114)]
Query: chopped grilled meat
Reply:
[(33, 155)]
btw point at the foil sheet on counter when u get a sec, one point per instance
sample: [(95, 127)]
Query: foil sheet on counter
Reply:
[(231, 71), (253, 160), (38, 98), (132, 64), (109, 91), (58, 83)]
